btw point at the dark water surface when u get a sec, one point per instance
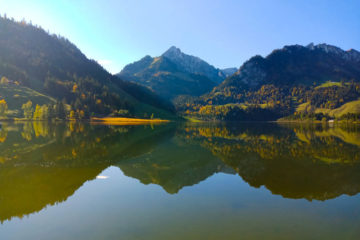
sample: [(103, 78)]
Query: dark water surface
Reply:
[(179, 181)]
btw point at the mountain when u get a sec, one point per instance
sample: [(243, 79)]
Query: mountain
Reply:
[(294, 65), (51, 65), (319, 78), (193, 64), (174, 73)]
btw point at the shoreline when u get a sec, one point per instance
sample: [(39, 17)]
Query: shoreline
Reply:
[(139, 121), (94, 120), (317, 121), (125, 121)]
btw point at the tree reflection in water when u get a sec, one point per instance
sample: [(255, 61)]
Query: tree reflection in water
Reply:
[(43, 164)]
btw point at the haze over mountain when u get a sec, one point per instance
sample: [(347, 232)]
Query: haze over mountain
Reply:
[(175, 73), (228, 71)]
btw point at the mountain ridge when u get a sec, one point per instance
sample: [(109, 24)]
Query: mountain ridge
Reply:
[(256, 67)]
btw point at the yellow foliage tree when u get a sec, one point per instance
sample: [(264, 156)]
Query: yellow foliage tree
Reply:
[(75, 87), (72, 114), (37, 113), (28, 109), (4, 80), (3, 108)]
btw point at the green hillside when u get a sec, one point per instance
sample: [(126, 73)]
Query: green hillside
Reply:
[(352, 107), (51, 65), (16, 96)]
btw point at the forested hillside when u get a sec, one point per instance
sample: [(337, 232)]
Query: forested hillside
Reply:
[(50, 65), (297, 81)]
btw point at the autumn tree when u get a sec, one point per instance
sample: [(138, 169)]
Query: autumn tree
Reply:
[(72, 114), (37, 113), (3, 108), (74, 88), (4, 80), (28, 110), (44, 113)]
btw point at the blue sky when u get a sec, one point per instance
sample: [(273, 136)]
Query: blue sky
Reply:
[(225, 33)]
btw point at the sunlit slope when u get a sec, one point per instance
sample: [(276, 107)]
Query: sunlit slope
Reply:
[(55, 67), (16, 96)]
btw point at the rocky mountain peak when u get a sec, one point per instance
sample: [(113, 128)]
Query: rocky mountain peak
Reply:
[(178, 57), (172, 51), (192, 64), (350, 55), (329, 49), (353, 54)]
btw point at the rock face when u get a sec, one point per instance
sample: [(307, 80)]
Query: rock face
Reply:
[(350, 55), (193, 64), (175, 73), (252, 73)]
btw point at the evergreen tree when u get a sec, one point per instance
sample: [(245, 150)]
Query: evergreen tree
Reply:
[(60, 111)]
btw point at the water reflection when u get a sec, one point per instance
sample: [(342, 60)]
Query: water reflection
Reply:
[(309, 162), (42, 163)]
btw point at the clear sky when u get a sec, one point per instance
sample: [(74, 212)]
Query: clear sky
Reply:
[(223, 32)]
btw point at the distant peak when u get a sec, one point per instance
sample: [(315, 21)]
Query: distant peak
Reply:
[(146, 57), (173, 48), (311, 46), (172, 51)]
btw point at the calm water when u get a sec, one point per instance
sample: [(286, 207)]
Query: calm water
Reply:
[(179, 181)]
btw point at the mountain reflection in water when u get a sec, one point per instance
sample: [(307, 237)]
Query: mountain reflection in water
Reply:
[(43, 164)]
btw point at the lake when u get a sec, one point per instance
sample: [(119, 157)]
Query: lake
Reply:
[(179, 181)]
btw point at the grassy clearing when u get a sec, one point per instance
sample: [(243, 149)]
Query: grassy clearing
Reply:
[(350, 107), (16, 96), (303, 107), (191, 119), (329, 84)]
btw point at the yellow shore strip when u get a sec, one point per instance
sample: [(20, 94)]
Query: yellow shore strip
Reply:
[(126, 121)]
